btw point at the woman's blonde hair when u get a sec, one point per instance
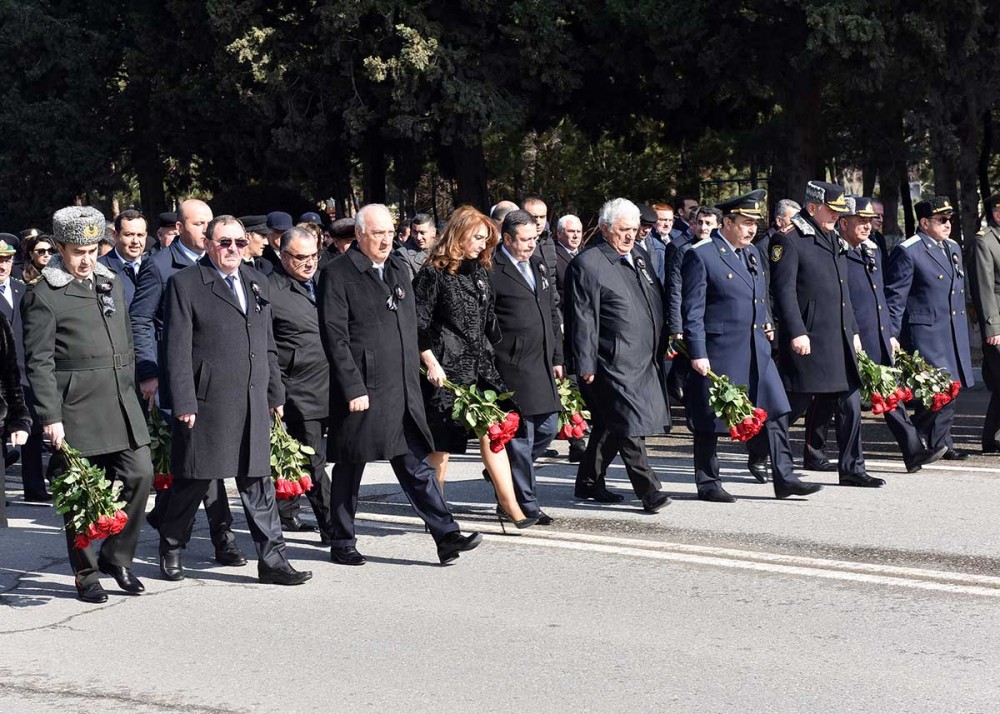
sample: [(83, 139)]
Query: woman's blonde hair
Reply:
[(448, 253)]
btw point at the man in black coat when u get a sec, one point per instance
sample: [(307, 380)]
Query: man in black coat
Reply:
[(529, 353), (615, 307), (817, 331), (304, 369), (126, 257), (79, 358), (224, 381), (146, 312), (368, 323)]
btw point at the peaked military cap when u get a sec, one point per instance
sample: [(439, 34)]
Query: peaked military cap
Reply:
[(311, 217), (168, 219), (749, 204), (342, 228), (860, 206), (647, 214), (80, 225), (278, 221), (255, 224), (829, 193), (7, 247), (935, 206)]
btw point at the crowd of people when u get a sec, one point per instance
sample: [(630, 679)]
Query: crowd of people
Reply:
[(354, 332)]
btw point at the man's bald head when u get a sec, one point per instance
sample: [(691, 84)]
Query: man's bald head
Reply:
[(193, 217)]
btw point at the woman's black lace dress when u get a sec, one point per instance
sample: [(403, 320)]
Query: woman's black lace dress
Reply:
[(455, 321)]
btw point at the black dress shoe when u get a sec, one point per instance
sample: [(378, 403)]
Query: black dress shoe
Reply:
[(298, 526), (92, 593), (716, 494), (955, 455), (576, 453), (825, 465), (123, 576), (601, 495), (544, 519), (923, 458), (993, 448), (346, 555), (550, 453), (229, 554), (455, 543), (861, 480), (43, 497), (758, 469), (796, 488), (267, 576), (656, 502), (170, 565)]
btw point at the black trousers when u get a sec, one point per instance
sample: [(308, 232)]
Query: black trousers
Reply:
[(847, 407), (601, 450), (771, 442), (991, 425), (259, 505), (935, 427), (220, 517), (310, 433), (818, 426), (417, 478), (134, 469)]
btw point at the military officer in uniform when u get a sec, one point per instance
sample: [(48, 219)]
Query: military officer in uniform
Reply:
[(80, 363), (724, 306), (817, 332), (865, 280), (925, 292), (986, 293), (222, 366), (616, 336)]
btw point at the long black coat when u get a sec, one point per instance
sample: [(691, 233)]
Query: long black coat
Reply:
[(305, 371), (80, 361), (616, 333), (372, 351), (530, 343), (222, 366), (14, 414), (811, 297)]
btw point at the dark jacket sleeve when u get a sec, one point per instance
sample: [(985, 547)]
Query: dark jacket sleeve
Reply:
[(178, 333), (584, 298), (674, 256), (557, 337), (425, 289), (898, 279), (275, 387), (784, 293), (17, 418), (693, 303), (334, 329), (39, 331), (142, 311)]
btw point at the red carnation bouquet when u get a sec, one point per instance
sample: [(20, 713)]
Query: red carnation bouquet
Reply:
[(573, 413), (879, 385), (289, 463), (481, 412), (933, 386), (83, 492), (731, 403), (159, 448)]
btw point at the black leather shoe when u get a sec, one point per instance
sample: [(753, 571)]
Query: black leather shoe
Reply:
[(601, 495), (758, 469), (955, 455), (123, 576), (229, 554), (92, 593), (544, 519), (923, 458), (43, 497), (298, 526), (861, 480), (716, 495), (550, 453), (455, 543), (656, 502), (576, 453), (170, 565), (267, 576), (796, 488), (347, 555), (825, 465), (993, 448)]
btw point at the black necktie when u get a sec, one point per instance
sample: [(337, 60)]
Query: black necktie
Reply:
[(308, 285)]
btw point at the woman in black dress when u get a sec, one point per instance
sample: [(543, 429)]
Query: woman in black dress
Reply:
[(455, 321)]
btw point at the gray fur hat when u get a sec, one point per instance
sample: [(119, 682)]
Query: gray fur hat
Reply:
[(80, 225)]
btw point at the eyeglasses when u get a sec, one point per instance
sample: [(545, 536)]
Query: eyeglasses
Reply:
[(227, 243), (302, 258), (942, 219), (44, 251)]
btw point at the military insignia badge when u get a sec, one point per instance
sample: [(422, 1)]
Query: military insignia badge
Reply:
[(542, 267), (91, 230), (776, 252), (400, 293)]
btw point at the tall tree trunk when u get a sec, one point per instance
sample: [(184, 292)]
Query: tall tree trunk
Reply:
[(945, 167), (469, 165), (984, 165), (909, 224), (893, 175), (800, 158), (374, 168)]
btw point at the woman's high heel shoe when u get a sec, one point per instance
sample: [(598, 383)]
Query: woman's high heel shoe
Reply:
[(521, 524)]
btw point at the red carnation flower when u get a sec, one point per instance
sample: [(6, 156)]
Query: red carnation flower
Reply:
[(577, 432), (578, 419), (954, 389), (161, 482), (878, 404), (306, 482), (496, 446), (734, 433), (494, 431), (81, 541)]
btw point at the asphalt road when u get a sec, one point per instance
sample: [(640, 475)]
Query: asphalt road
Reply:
[(849, 601)]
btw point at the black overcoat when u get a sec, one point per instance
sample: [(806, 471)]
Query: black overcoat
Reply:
[(372, 350), (531, 343), (222, 366), (616, 333), (305, 371)]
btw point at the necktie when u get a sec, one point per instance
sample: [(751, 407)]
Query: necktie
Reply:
[(626, 261), (231, 282), (308, 285), (88, 283), (3, 289), (380, 272), (130, 271), (741, 254), (525, 269)]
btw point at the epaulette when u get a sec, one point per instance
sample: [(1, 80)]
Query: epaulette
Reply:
[(953, 242), (912, 240), (699, 244), (803, 225)]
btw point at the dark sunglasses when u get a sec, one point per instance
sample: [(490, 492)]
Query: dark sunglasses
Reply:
[(240, 243), (943, 219), (44, 251)]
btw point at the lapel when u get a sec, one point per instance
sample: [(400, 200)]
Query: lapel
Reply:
[(180, 260), (364, 266), (75, 289), (930, 245), (731, 260), (220, 288), (294, 285), (510, 270)]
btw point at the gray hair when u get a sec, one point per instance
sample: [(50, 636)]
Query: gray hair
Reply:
[(292, 233), (786, 206), (618, 208), (563, 220), (359, 218)]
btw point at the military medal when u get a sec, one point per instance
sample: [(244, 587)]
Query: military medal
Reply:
[(642, 268), (258, 297), (105, 299), (958, 266), (392, 303)]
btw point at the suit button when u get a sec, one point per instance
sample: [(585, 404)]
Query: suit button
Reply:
[(252, 355), (952, 312), (963, 312), (940, 277), (843, 304), (841, 281), (879, 307), (251, 386), (755, 327), (730, 276)]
